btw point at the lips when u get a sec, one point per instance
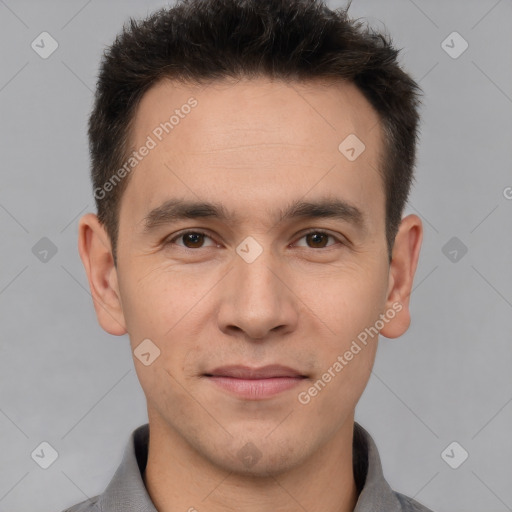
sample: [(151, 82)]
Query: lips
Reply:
[(248, 373), (248, 383)]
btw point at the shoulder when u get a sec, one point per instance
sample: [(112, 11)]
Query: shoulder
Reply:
[(89, 505), (409, 504)]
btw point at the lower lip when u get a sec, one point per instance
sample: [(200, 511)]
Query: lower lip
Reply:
[(254, 389)]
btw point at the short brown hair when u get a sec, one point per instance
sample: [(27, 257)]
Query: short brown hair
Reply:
[(202, 40)]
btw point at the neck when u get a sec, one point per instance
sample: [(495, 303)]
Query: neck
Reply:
[(177, 477)]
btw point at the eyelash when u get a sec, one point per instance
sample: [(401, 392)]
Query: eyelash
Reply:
[(199, 232)]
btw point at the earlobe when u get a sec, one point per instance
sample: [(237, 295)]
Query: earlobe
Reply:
[(96, 255), (404, 262)]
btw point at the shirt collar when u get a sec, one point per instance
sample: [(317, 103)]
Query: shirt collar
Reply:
[(127, 492)]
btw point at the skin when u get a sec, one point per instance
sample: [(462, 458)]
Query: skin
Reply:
[(254, 146)]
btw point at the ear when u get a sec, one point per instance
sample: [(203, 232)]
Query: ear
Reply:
[(96, 254), (405, 256)]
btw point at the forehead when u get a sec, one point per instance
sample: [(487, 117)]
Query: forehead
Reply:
[(258, 106), (253, 141)]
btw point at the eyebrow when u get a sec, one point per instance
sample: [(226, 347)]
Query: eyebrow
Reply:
[(174, 210)]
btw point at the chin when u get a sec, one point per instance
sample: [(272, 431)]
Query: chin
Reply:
[(259, 457)]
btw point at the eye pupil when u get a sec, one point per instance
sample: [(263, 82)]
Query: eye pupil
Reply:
[(317, 238), (195, 238)]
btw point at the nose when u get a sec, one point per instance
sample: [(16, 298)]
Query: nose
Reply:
[(258, 299)]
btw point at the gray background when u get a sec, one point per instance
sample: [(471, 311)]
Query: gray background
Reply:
[(65, 381)]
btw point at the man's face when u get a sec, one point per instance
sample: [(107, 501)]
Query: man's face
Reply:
[(287, 295)]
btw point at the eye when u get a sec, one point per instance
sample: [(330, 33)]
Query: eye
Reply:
[(317, 239), (314, 239), (189, 239)]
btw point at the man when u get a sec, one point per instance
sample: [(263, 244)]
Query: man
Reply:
[(251, 161)]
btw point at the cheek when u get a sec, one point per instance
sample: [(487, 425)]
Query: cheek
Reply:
[(349, 304), (346, 357), (170, 309), (346, 301), (156, 297)]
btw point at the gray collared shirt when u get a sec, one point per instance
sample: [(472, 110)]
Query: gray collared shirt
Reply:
[(126, 491)]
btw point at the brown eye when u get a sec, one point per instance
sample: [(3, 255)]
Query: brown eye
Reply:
[(190, 240), (317, 240), (193, 240)]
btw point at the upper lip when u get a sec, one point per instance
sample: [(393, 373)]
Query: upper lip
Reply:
[(246, 372)]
